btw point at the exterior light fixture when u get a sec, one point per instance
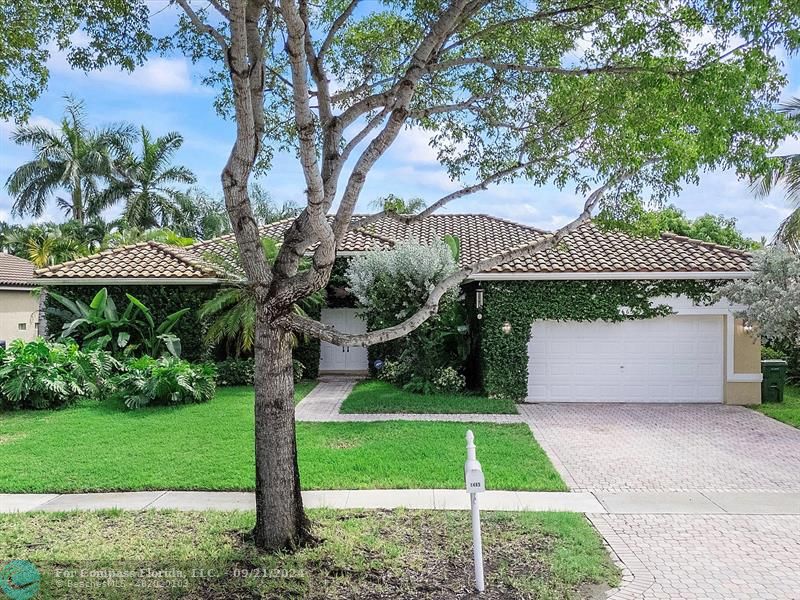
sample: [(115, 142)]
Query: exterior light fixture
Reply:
[(506, 328), (479, 297)]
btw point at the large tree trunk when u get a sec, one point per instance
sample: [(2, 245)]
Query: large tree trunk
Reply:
[(280, 519)]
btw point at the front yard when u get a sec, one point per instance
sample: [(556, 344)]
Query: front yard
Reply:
[(381, 397), (361, 555), (787, 411), (105, 447)]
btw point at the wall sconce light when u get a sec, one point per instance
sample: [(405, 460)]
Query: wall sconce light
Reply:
[(506, 328), (479, 298)]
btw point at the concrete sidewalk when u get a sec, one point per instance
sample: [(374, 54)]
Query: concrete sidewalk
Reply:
[(665, 503)]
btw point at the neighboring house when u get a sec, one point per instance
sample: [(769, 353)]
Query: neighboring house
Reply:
[(19, 308), (533, 349)]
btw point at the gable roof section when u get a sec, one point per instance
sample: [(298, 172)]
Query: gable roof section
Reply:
[(590, 250), (16, 271), (586, 252), (353, 241), (144, 261)]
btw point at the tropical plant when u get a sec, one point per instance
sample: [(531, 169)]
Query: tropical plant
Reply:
[(100, 325), (73, 158), (40, 374), (785, 173), (395, 204), (44, 244), (232, 311), (201, 215), (125, 236), (146, 182), (147, 381)]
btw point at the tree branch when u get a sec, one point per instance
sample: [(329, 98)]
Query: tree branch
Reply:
[(204, 28), (506, 66), (329, 334)]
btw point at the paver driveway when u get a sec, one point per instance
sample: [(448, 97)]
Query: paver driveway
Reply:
[(610, 448), (638, 447)]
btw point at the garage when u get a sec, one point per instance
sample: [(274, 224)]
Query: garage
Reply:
[(678, 358)]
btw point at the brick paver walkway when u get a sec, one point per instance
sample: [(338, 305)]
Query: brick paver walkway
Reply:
[(635, 447), (714, 557), (325, 400)]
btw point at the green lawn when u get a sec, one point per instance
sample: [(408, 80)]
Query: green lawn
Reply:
[(787, 411), (361, 555), (382, 397), (105, 447)]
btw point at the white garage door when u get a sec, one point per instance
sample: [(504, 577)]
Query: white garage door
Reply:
[(670, 359)]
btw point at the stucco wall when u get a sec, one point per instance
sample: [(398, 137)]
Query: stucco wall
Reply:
[(746, 360), (18, 306)]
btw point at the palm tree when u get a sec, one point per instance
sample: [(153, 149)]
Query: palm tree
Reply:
[(233, 308), (145, 182), (786, 175), (73, 158), (125, 236), (45, 244)]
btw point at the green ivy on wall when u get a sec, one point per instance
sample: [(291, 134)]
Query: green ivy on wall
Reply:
[(504, 357)]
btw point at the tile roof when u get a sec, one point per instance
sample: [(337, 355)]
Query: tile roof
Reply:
[(592, 250), (16, 271), (146, 260), (586, 250)]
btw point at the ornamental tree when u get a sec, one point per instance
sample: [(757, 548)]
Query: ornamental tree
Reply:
[(771, 298), (624, 95)]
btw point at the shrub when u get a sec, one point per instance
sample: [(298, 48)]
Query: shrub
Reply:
[(235, 371), (768, 353), (241, 371), (166, 380), (297, 370), (42, 374), (449, 381)]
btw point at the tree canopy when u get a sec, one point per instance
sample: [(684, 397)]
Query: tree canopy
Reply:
[(633, 217)]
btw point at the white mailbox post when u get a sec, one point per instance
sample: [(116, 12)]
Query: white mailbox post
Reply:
[(473, 479)]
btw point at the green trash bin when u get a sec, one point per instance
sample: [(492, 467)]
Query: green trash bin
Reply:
[(774, 372)]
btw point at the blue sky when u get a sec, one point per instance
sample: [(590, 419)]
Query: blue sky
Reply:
[(165, 95)]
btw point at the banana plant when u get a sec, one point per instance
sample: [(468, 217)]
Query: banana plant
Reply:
[(134, 332)]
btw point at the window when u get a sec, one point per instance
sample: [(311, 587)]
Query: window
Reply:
[(22, 326)]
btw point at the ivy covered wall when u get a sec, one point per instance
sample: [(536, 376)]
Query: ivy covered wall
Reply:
[(503, 358)]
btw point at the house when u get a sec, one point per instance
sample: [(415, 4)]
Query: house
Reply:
[(602, 317), (19, 308)]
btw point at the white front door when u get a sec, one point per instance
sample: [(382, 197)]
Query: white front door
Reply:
[(336, 359), (669, 359)]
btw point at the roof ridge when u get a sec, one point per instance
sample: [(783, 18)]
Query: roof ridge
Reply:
[(696, 242), (175, 252), (503, 220), (232, 234), (83, 259)]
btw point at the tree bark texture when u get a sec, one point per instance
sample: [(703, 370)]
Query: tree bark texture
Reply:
[(280, 519)]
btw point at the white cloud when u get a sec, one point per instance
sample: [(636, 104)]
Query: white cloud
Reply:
[(158, 75)]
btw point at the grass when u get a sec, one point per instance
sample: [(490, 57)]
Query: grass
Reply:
[(383, 397), (105, 447), (787, 411), (362, 555)]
